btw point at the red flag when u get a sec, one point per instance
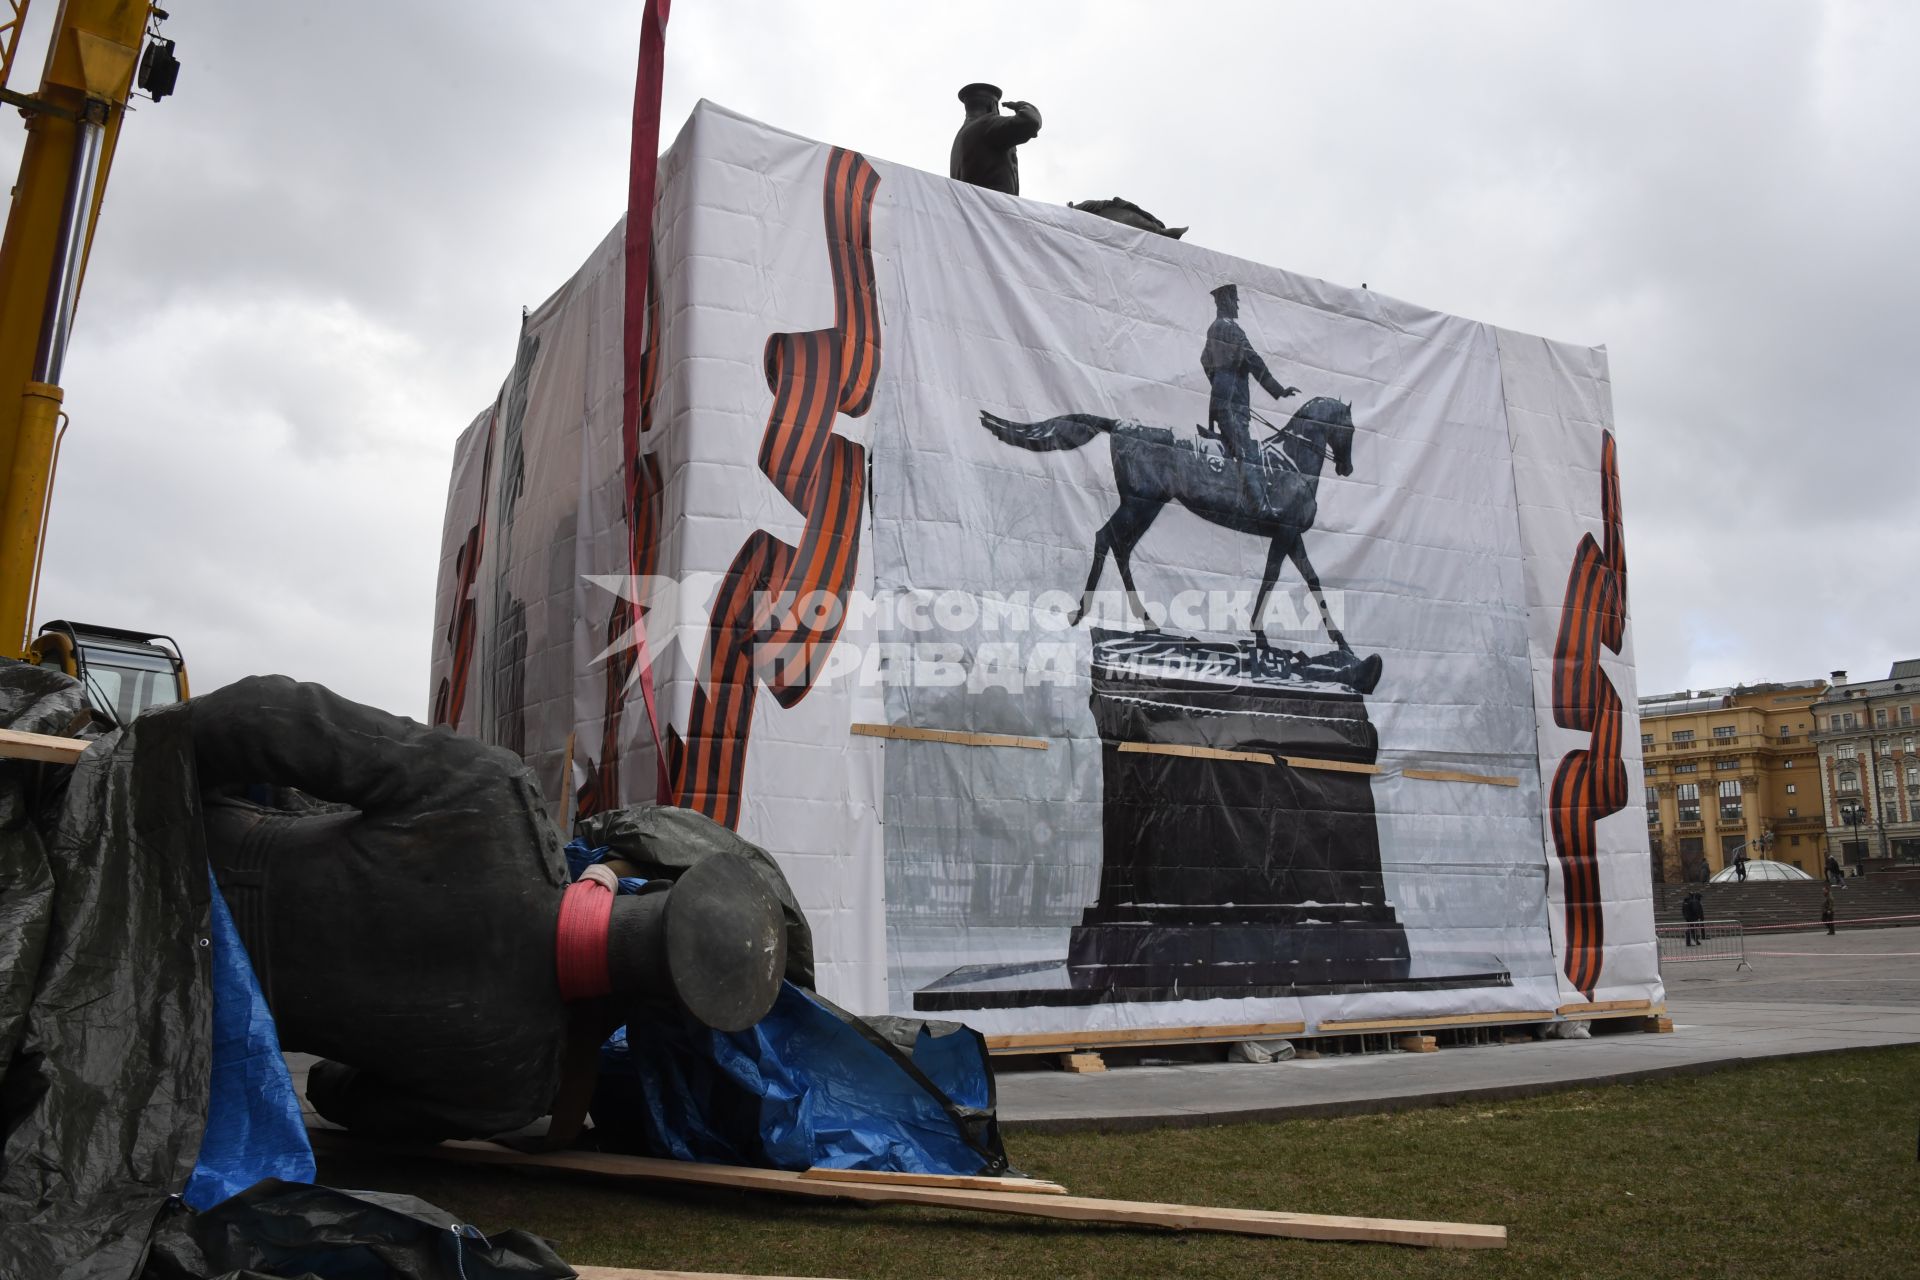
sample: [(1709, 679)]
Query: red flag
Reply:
[(643, 167)]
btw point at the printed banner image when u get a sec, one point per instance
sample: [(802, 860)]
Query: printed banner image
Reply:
[(1101, 631)]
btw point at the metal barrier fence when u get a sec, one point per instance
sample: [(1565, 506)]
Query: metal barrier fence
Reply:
[(1685, 943)]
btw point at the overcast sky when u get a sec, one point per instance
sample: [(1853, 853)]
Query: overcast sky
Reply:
[(309, 273)]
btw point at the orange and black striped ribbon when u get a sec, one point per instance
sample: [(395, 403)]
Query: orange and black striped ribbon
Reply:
[(761, 630), (1589, 784), (450, 699)]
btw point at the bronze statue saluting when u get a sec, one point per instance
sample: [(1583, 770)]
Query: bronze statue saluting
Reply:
[(983, 150)]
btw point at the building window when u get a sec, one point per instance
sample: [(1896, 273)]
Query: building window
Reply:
[(1880, 717), (1793, 788), (1796, 839), (1730, 800), (1906, 715), (1787, 765), (1683, 735), (1688, 794), (1844, 751), (1653, 810), (1692, 766), (1646, 739), (1793, 813), (1913, 775), (1785, 733), (1849, 782), (1909, 746), (1726, 763), (1886, 778), (1723, 731)]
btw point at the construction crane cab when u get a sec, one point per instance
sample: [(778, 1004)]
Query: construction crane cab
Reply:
[(124, 672)]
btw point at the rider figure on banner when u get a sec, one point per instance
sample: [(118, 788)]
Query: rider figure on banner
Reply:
[(1229, 360)]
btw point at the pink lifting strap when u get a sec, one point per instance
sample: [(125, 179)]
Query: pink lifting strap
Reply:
[(580, 944)]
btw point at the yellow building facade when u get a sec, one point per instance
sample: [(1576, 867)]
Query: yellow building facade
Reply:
[(1730, 770)]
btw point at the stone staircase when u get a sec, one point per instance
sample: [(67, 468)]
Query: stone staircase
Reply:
[(1777, 904)]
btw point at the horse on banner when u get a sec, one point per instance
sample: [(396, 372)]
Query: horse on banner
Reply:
[(1276, 499)]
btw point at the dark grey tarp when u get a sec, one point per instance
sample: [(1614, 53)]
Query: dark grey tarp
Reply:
[(106, 1002)]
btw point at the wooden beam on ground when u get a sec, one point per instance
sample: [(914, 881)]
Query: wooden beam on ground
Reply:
[(1256, 1222), (1127, 1037), (40, 746), (1657, 1024), (1082, 1063), (909, 733), (648, 1273), (1019, 1186), (1446, 1020), (1419, 1044)]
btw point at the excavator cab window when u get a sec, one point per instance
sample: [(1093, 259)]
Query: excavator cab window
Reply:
[(124, 683)]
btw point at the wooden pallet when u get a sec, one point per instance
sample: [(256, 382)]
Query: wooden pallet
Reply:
[(1081, 1050), (1050, 1042)]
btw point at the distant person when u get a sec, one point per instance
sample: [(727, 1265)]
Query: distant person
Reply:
[(1834, 873), (1693, 911), (1740, 865), (1826, 909)]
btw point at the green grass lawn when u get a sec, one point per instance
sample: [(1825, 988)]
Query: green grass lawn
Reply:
[(1802, 1168)]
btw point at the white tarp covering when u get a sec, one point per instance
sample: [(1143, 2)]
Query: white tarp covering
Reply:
[(891, 425)]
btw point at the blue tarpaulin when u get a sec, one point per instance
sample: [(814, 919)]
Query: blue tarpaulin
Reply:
[(254, 1129), (810, 1085)]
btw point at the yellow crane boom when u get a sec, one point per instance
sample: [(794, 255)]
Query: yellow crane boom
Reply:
[(73, 124)]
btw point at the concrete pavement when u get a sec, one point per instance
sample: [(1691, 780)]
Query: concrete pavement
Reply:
[(1808, 993)]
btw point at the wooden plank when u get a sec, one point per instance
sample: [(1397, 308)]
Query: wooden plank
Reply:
[(1257, 1222), (1603, 1006), (1246, 757), (1657, 1025), (648, 1273), (1637, 1009), (1335, 766), (1446, 1020), (909, 733), (1083, 1064), (1195, 753), (872, 1177), (1449, 775), (40, 746), (566, 787), (1419, 1044), (1060, 1041)]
